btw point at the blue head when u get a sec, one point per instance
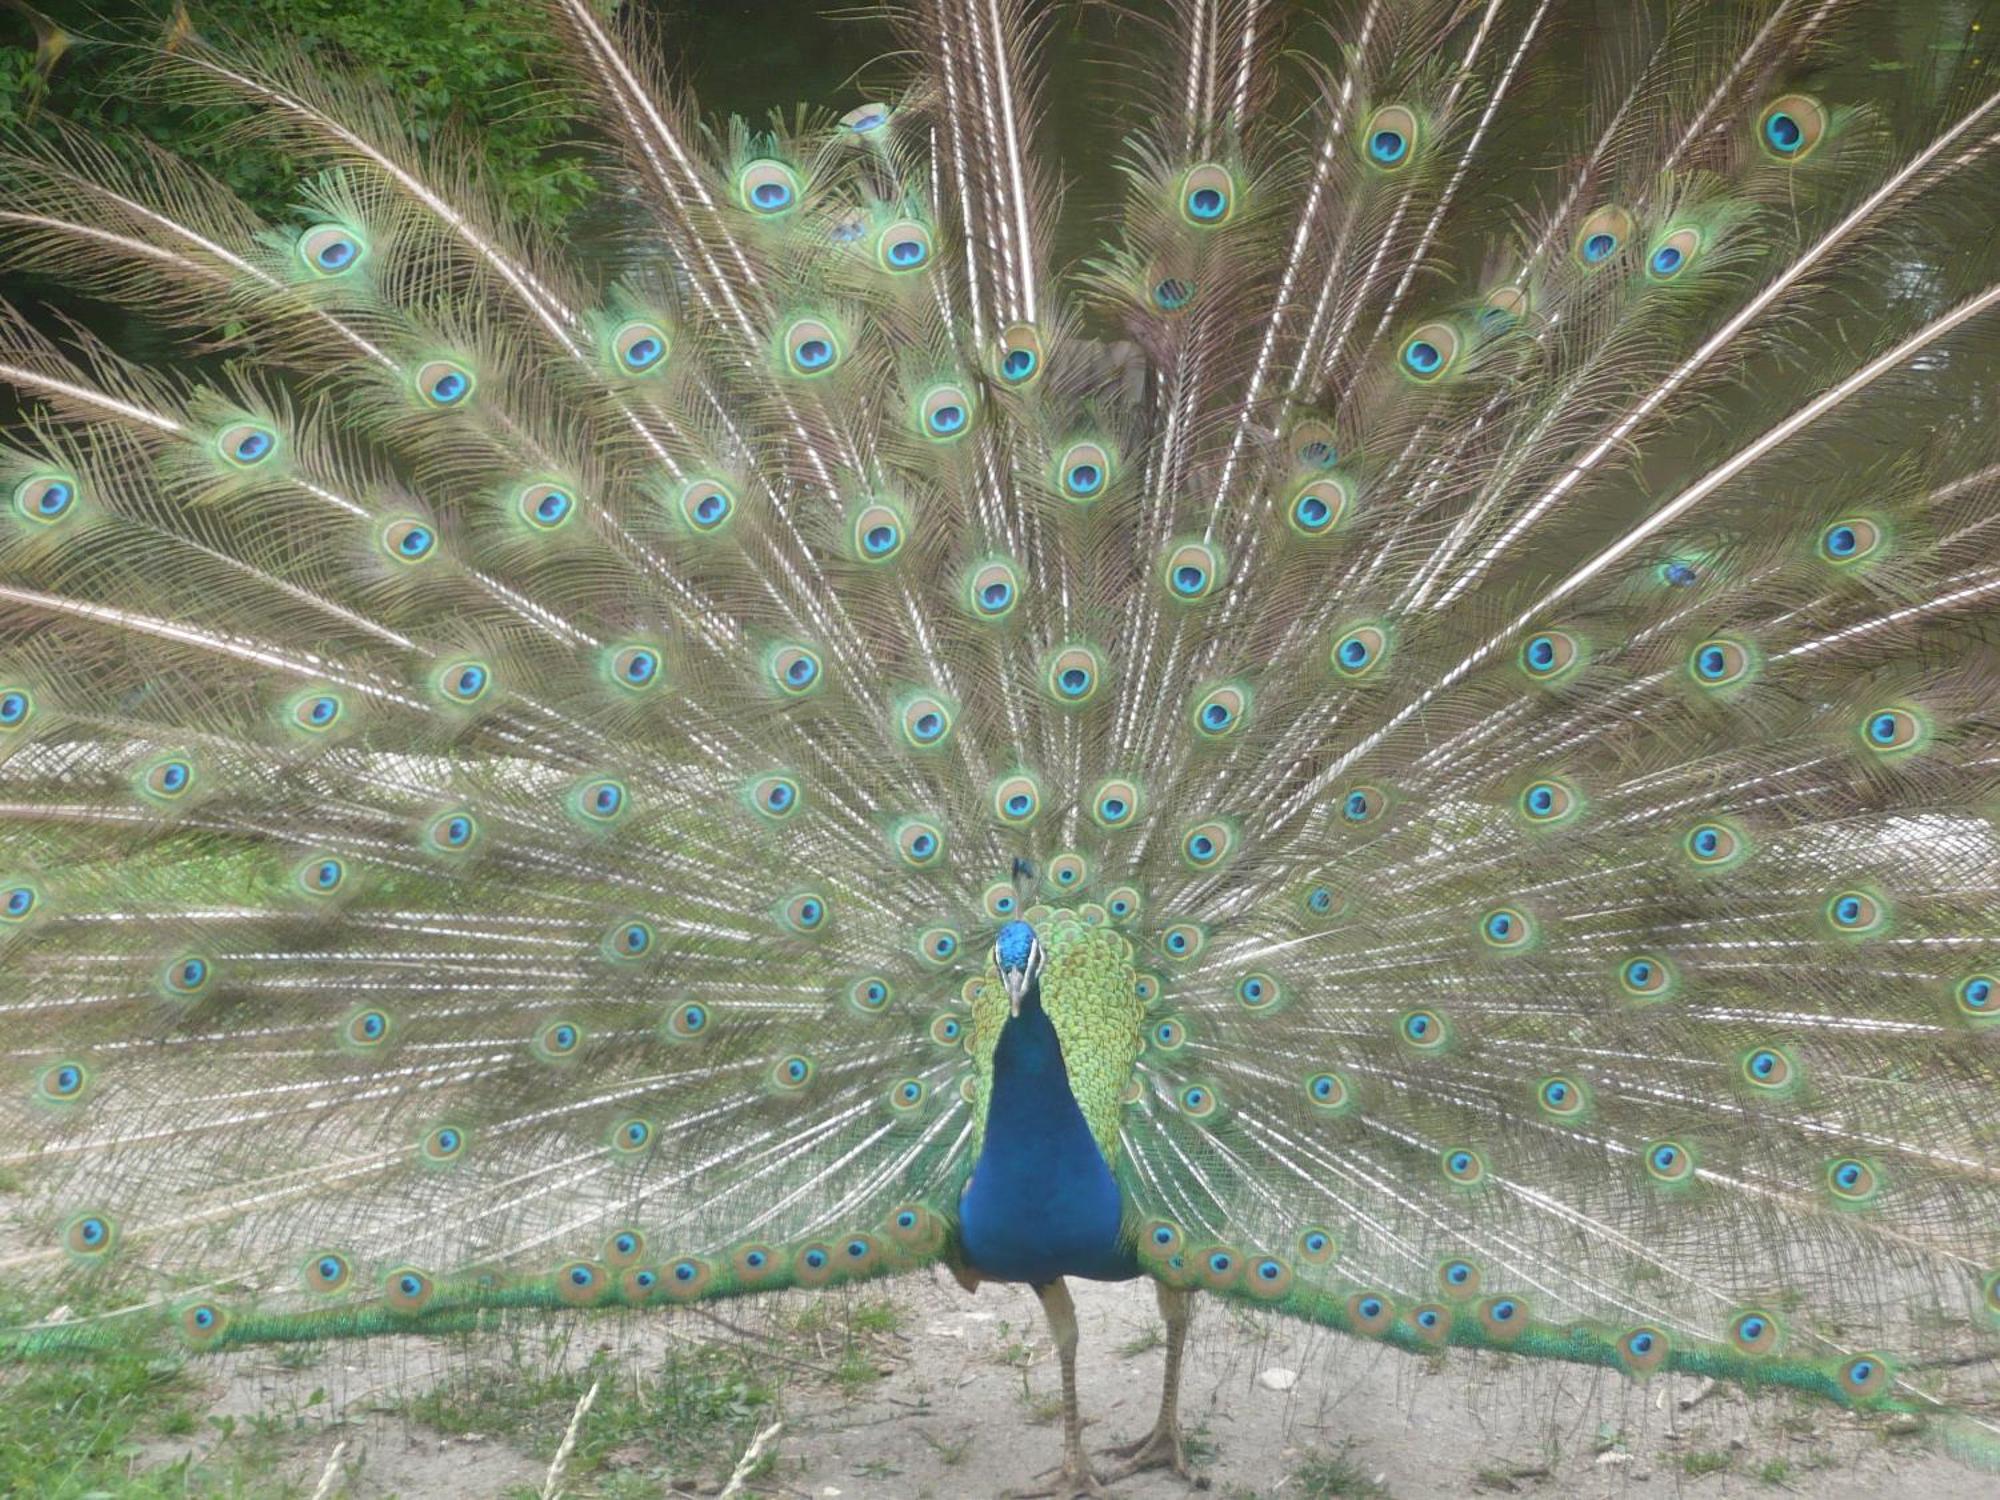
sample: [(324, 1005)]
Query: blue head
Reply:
[(1017, 953)]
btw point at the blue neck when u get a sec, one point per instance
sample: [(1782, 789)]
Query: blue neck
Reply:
[(1041, 1203)]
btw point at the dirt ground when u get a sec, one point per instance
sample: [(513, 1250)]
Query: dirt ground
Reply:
[(957, 1399)]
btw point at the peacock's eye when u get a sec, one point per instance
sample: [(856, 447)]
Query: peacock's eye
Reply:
[(443, 382), (331, 249)]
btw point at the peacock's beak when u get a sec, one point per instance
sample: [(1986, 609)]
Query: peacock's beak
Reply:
[(1016, 981)]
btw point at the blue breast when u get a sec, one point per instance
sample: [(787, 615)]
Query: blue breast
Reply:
[(1041, 1202)]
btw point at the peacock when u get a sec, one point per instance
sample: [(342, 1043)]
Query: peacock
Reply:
[(1398, 722)]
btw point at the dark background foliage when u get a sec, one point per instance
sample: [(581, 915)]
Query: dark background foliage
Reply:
[(488, 68)]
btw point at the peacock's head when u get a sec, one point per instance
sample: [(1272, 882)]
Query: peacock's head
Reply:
[(1017, 953)]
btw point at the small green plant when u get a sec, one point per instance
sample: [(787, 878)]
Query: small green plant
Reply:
[(951, 1454), (1706, 1461), (1149, 1337), (696, 1409), (879, 1316), (1336, 1476)]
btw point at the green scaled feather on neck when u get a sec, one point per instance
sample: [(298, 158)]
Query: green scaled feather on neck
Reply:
[(1089, 990)]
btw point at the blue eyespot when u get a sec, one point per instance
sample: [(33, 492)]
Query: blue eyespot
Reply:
[(711, 508), (253, 445), (1667, 260), (1387, 147), (21, 900), (45, 498), (330, 249), (1320, 900), (947, 418), (1019, 364), (636, 666), (1172, 294), (1423, 356), (1783, 132), (15, 707), (1598, 246)]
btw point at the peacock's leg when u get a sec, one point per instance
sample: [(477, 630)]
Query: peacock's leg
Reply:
[(1161, 1448), (1077, 1478)]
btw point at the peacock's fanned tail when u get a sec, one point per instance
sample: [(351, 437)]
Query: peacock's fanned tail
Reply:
[(512, 758)]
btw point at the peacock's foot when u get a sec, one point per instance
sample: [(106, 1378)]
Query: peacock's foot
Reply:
[(1073, 1481), (1159, 1449)]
